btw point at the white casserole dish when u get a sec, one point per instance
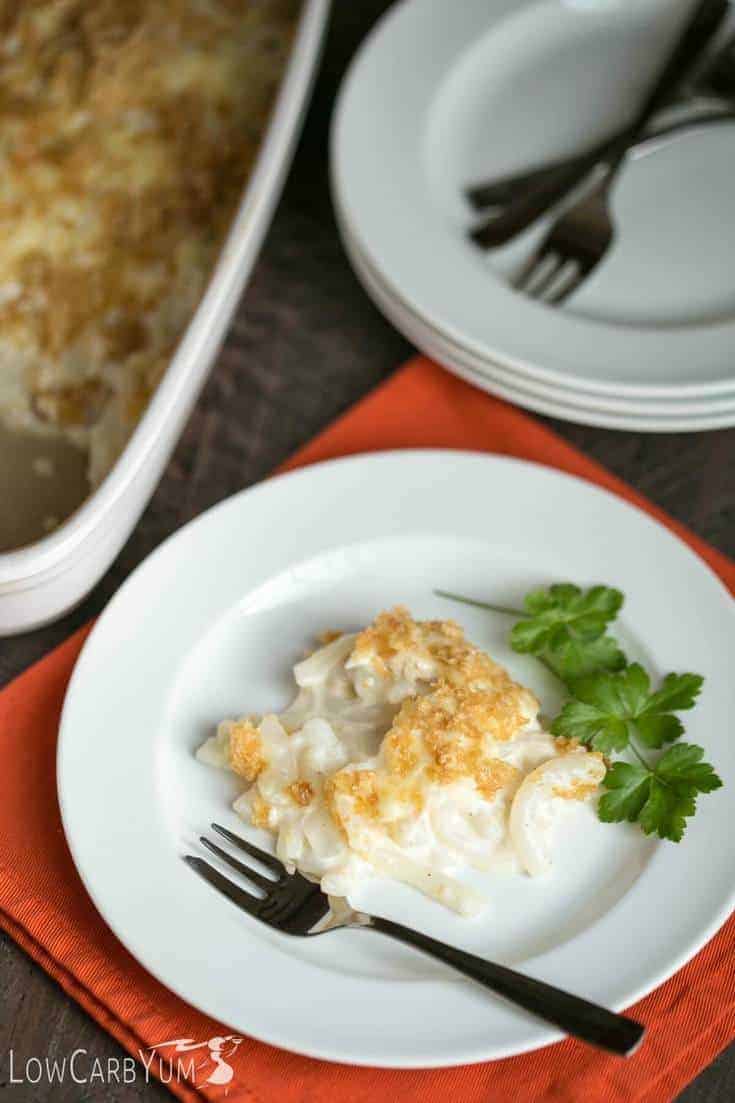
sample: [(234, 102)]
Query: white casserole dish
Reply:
[(40, 582)]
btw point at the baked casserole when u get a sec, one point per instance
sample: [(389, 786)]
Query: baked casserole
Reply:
[(127, 131)]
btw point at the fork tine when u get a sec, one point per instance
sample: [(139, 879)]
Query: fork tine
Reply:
[(546, 272), (254, 852), (543, 271), (265, 883), (565, 274), (568, 288), (245, 900), (527, 270)]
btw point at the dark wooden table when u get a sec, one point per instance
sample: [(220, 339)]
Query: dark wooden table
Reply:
[(305, 345)]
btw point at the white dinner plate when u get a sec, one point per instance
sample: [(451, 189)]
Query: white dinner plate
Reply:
[(210, 625), (443, 95), (652, 415)]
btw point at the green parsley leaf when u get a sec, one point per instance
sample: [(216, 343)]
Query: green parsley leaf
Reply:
[(682, 765), (679, 775), (610, 709), (678, 691), (654, 730), (562, 614), (660, 799), (629, 786), (589, 724), (666, 811), (623, 694), (575, 660)]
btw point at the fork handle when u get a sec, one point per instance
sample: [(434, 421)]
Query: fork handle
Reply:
[(509, 189), (520, 213), (573, 1015)]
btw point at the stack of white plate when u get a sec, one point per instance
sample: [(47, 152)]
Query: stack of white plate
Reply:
[(445, 95)]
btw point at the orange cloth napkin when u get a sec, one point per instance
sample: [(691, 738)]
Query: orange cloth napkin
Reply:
[(44, 907)]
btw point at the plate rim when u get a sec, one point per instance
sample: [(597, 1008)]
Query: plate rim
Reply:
[(388, 298), (529, 393)]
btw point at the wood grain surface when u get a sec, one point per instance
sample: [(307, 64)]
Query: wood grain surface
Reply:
[(306, 343)]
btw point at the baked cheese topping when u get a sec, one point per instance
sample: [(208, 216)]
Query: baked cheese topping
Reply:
[(127, 130)]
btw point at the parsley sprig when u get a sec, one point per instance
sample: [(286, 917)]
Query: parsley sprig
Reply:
[(566, 628), (612, 711), (659, 798), (612, 707)]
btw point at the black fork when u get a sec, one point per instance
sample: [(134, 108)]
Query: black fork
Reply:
[(561, 179), (296, 906)]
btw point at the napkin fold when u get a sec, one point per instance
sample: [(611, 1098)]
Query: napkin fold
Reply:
[(44, 906)]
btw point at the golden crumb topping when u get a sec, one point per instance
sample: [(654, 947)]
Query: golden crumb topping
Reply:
[(127, 130), (361, 786), (246, 754), (260, 813), (300, 792), (493, 774), (441, 736), (395, 632), (578, 789), (402, 751), (565, 745)]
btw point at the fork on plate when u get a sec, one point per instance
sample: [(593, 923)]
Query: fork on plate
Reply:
[(582, 234), (573, 247), (295, 906), (711, 95), (578, 238)]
